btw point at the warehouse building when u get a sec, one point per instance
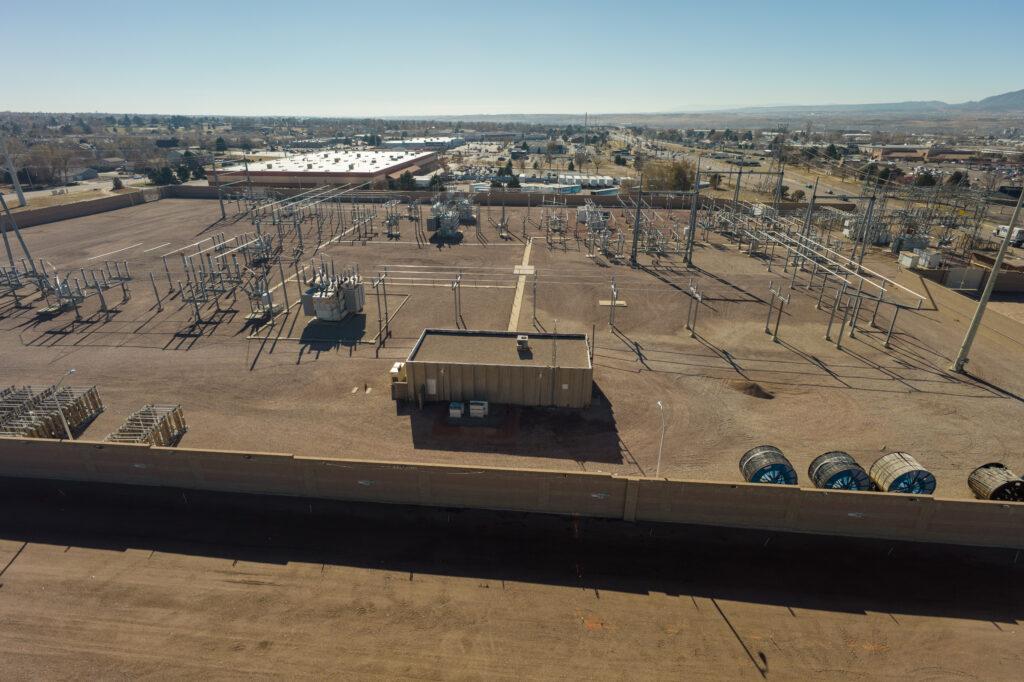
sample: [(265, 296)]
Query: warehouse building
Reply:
[(501, 367), (424, 143), (351, 167)]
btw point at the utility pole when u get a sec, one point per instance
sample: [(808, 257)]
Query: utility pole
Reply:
[(220, 192), (965, 348), (694, 203), (13, 226), (13, 173), (865, 229), (661, 442), (808, 218), (636, 222)]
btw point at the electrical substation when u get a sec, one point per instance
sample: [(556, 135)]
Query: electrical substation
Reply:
[(644, 334)]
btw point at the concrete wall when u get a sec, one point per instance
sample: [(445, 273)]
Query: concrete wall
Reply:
[(496, 198), (741, 505), (51, 214), (969, 279)]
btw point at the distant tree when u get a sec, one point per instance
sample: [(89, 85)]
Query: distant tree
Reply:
[(514, 182), (436, 183), (959, 179), (496, 184), (571, 166), (168, 142), (797, 195), (184, 173), (198, 172), (117, 184), (674, 176), (580, 157), (887, 174), (832, 152), (924, 179), (220, 145), (867, 172), (550, 150), (162, 176), (406, 181)]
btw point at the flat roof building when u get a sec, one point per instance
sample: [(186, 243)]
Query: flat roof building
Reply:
[(462, 365), (897, 152), (424, 143), (331, 168)]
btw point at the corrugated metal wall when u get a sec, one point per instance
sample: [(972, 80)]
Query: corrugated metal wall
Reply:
[(527, 385)]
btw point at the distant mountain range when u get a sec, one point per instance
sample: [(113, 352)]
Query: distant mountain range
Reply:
[(1007, 102), (990, 113)]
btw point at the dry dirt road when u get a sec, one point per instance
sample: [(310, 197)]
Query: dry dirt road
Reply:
[(106, 584)]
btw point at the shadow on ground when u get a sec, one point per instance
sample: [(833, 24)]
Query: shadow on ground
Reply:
[(583, 435), (320, 336), (797, 571)]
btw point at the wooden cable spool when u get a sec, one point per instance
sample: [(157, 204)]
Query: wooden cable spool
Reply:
[(993, 481), (898, 472), (767, 464), (837, 470)]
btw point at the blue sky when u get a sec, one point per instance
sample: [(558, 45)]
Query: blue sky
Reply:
[(433, 58)]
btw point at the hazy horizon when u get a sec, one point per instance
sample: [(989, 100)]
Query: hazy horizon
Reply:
[(467, 59)]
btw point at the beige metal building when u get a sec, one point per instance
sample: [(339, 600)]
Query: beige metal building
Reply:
[(462, 365)]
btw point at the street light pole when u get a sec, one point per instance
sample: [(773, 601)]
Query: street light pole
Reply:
[(661, 444), (965, 348), (63, 419)]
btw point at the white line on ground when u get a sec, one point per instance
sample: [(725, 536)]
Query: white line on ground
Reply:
[(110, 253), (171, 253), (158, 246), (517, 302)]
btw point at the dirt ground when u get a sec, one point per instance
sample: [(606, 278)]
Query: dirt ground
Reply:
[(305, 387), (210, 587)]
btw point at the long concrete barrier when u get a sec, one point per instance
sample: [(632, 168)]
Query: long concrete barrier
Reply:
[(738, 505), (77, 209)]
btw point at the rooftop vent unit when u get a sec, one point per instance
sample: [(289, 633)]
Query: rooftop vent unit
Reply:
[(522, 343), (309, 166)]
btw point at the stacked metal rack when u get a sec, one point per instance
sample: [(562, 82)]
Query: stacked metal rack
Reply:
[(47, 412), (162, 425)]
